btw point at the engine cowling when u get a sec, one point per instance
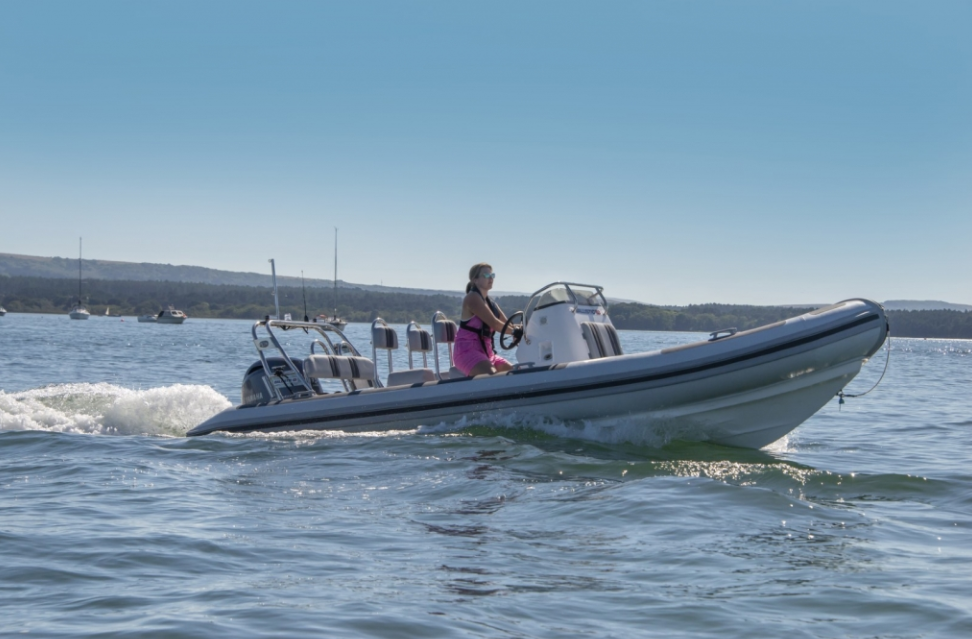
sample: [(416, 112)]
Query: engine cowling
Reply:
[(258, 388)]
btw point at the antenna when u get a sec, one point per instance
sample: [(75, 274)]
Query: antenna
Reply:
[(276, 300), (304, 292), (335, 272)]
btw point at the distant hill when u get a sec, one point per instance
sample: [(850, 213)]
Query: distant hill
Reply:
[(67, 268), (14, 265), (925, 305)]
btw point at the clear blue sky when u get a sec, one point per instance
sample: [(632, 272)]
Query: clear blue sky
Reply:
[(675, 152)]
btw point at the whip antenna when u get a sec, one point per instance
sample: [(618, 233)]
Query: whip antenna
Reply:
[(304, 292)]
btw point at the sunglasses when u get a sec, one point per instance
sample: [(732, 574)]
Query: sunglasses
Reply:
[(487, 276)]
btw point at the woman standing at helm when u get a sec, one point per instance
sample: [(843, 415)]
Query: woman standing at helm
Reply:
[(481, 318)]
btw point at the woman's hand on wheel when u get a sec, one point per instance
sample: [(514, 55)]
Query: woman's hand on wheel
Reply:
[(517, 332)]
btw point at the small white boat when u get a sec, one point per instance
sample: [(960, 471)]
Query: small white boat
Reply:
[(3, 311), (79, 312), (143, 319), (333, 320), (744, 389), (170, 316)]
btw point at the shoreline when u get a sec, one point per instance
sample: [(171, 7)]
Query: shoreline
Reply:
[(620, 328)]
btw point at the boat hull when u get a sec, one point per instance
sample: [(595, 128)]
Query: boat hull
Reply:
[(333, 321), (747, 390)]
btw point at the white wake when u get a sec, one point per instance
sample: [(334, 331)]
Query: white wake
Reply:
[(110, 410)]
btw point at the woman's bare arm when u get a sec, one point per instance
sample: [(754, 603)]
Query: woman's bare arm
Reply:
[(477, 306)]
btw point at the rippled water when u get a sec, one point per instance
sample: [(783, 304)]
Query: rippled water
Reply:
[(112, 524)]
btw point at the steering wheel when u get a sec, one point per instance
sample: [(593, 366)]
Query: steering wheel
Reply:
[(517, 333)]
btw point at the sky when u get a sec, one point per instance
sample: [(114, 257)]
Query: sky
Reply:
[(673, 152)]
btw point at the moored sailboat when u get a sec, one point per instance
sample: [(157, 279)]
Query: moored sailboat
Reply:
[(79, 312), (334, 320)]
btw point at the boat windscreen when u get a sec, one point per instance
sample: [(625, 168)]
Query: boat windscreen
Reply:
[(586, 296), (556, 295)]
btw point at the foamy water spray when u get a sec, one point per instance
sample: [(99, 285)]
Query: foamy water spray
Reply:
[(110, 410)]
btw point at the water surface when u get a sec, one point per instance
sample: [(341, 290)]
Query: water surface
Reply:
[(112, 524)]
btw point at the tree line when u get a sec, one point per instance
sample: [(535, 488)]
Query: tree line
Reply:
[(45, 295), (20, 294), (698, 317), (940, 324)]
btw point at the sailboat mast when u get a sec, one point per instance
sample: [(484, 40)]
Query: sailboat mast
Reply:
[(335, 271), (304, 293), (79, 269)]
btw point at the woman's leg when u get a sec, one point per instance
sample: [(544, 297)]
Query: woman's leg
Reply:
[(482, 368), (502, 367)]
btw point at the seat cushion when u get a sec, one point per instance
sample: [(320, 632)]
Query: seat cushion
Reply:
[(455, 373), (445, 331), (419, 341), (411, 376), (384, 337), (339, 367), (602, 339)]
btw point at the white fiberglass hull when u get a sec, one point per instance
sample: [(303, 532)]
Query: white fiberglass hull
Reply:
[(79, 315), (333, 321), (747, 390)]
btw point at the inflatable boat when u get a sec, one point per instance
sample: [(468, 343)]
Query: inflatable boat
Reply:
[(738, 388)]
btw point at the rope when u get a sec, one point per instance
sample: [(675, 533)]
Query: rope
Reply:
[(841, 394), (279, 374)]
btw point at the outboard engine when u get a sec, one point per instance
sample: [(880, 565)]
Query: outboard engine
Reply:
[(257, 387)]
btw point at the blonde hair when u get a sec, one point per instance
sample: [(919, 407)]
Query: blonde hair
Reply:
[(474, 273)]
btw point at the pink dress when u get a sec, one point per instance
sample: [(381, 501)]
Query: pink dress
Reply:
[(470, 348)]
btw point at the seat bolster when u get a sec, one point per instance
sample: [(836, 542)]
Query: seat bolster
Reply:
[(384, 337), (411, 376), (602, 339), (445, 331), (339, 367), (419, 341), (455, 373)]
